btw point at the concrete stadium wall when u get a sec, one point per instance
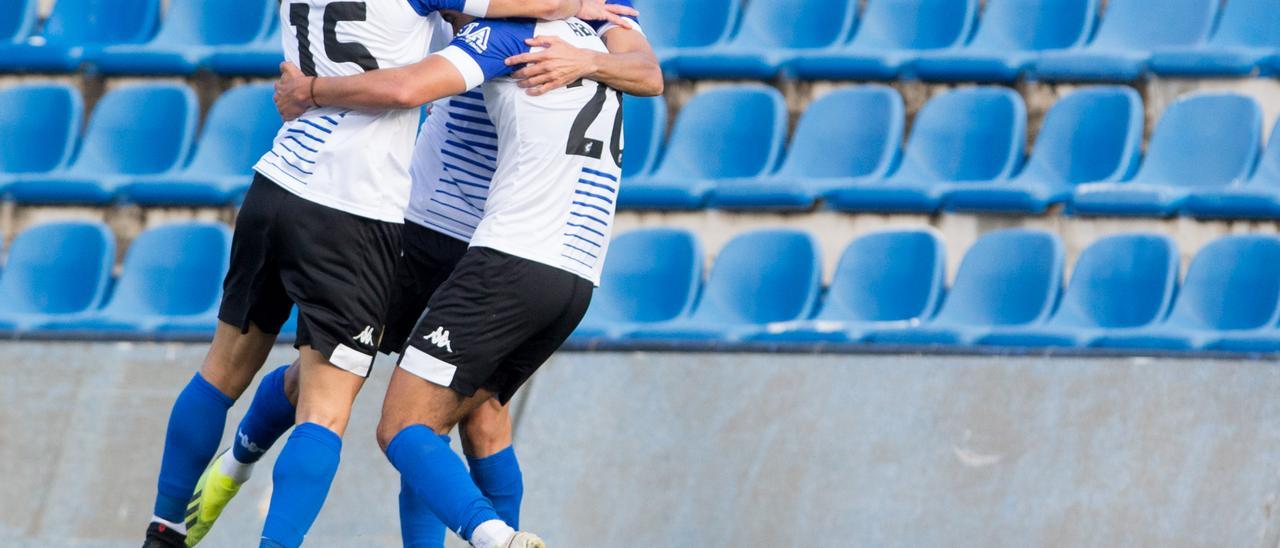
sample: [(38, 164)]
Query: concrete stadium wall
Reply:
[(643, 449)]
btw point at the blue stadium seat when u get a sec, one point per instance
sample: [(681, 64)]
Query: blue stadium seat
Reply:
[(759, 278), (970, 134), (77, 27), (1010, 36), (725, 133), (1248, 33), (55, 270), (886, 279), (17, 18), (135, 130), (190, 31), (1232, 289), (890, 35), (238, 130), (1092, 135), (1008, 278), (771, 33), (1203, 141), (1259, 198), (848, 136), (651, 276), (260, 58), (39, 126), (1120, 282), (171, 274), (644, 133), (687, 24), (1129, 31)]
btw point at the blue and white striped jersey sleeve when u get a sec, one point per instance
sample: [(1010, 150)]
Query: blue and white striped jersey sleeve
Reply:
[(478, 8), (602, 27), (480, 50)]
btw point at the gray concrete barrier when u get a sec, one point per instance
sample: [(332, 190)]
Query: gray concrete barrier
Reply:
[(649, 449)]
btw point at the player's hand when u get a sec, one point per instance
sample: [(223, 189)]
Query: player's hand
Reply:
[(557, 65), (597, 10), (293, 92)]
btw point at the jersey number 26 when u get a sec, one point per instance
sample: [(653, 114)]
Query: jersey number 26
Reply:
[(581, 145)]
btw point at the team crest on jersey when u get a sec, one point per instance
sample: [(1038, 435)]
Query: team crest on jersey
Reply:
[(475, 36)]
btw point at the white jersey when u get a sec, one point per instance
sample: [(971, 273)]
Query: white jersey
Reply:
[(534, 177), (352, 160)]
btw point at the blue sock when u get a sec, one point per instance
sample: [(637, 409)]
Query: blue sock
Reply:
[(269, 417), (195, 429), (438, 477), (498, 477), (302, 477), (419, 528)]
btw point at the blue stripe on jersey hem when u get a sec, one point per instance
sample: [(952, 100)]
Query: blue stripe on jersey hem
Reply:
[(576, 214), (472, 95), (301, 144), (330, 120), (595, 207), (451, 206), (577, 260), (576, 248), (590, 171), (458, 182), (468, 106), (470, 119), (308, 135), (467, 160), (586, 228), (596, 196), (291, 164), (477, 144), (295, 153), (448, 230), (464, 198), (598, 185), (282, 170), (471, 150), (315, 125), (450, 167), (572, 235), (476, 132)]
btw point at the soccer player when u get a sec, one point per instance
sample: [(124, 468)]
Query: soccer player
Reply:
[(526, 280), (319, 228)]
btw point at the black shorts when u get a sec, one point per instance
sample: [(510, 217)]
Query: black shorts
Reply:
[(426, 260), (336, 266), (494, 322)]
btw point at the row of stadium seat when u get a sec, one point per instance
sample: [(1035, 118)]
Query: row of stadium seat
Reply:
[(888, 289), (765, 287), (965, 153), (947, 40), (944, 40)]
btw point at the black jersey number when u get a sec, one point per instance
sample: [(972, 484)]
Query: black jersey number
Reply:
[(581, 145), (338, 52)]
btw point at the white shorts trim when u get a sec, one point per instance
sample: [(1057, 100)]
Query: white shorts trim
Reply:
[(428, 367), (351, 360)]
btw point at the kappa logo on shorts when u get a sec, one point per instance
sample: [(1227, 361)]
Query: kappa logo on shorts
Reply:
[(366, 336), (440, 338)]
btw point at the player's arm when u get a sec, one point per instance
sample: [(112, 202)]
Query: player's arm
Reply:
[(537, 9), (630, 66)]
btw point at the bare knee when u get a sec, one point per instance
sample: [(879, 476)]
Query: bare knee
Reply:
[(486, 430)]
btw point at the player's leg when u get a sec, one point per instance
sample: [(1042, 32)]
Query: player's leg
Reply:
[(487, 442)]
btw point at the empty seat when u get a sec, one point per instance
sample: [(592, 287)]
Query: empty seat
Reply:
[(259, 58), (1259, 197), (238, 130), (1092, 135), (688, 24), (966, 135), (890, 35), (1248, 33), (1129, 31), (190, 31), (644, 133), (1203, 141), (55, 270), (885, 279), (725, 133), (771, 32), (79, 26), (650, 276), (1008, 278), (759, 278), (17, 18), (1120, 282), (39, 126), (848, 136), (135, 130), (1232, 288), (171, 273), (1010, 36)]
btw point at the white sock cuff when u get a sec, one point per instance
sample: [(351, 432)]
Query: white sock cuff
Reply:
[(492, 534)]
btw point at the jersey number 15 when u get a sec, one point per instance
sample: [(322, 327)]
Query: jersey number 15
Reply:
[(338, 52)]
